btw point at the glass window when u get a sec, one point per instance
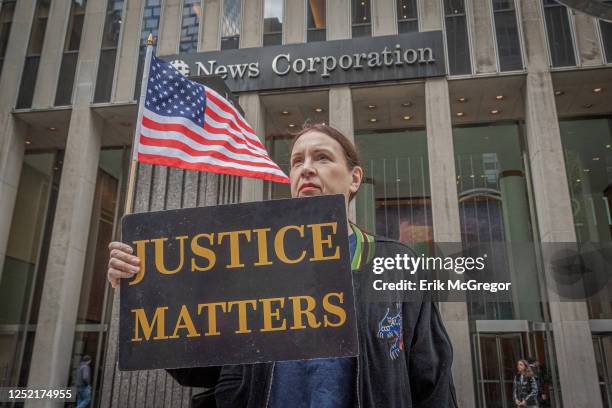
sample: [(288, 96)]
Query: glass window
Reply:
[(150, 25), (75, 25), (394, 199), (104, 214), (88, 355), (230, 24), (494, 208), (315, 20), (190, 25), (7, 9), (63, 95), (30, 68), (273, 22), (588, 163), (559, 34), (587, 149), (108, 52), (23, 268), (39, 26), (407, 16), (457, 42), (361, 18), (606, 37), (506, 31), (95, 301)]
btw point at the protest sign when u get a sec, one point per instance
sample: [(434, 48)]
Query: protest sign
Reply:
[(241, 283)]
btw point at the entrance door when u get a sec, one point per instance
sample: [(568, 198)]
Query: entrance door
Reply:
[(497, 355), (603, 357)]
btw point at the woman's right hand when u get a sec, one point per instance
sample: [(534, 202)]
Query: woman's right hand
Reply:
[(122, 264)]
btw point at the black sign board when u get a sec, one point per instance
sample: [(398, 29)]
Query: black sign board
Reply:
[(235, 284), (364, 59)]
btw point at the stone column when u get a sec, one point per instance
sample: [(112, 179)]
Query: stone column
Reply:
[(51, 56), (127, 56), (570, 321), (338, 27), (51, 356), (210, 25), (253, 189), (251, 29), (384, 18), (338, 19), (445, 207), (12, 132), (341, 117), (294, 21), (169, 27), (483, 36), (446, 225), (251, 35)]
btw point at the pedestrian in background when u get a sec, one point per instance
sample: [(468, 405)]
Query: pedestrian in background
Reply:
[(525, 388), (83, 382)]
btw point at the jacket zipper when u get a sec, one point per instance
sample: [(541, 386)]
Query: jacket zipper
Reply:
[(270, 386)]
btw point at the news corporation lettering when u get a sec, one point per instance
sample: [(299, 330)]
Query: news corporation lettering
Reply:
[(283, 64)]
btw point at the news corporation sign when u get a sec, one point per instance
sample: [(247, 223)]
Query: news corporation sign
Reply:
[(358, 60)]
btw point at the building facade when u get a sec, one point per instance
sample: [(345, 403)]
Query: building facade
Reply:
[(513, 144)]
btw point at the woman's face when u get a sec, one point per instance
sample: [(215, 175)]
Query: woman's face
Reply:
[(319, 167), (520, 366)]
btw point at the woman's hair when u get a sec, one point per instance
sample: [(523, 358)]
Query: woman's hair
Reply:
[(527, 372), (350, 151)]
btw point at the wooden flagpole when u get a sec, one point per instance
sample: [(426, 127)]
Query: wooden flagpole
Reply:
[(129, 204)]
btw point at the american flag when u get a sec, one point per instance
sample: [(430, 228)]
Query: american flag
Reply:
[(188, 125)]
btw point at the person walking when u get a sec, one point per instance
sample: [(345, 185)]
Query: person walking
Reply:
[(525, 388), (83, 382)]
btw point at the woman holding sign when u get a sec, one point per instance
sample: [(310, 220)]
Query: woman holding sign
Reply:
[(405, 354)]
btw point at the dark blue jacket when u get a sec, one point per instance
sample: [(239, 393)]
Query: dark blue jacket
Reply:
[(410, 370)]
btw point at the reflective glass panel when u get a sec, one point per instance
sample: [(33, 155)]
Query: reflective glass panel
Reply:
[(587, 148), (190, 25), (273, 22), (606, 37), (75, 25), (457, 42), (150, 25), (30, 68), (394, 199), (108, 52), (7, 9), (361, 17), (104, 213), (559, 34), (506, 31), (22, 270), (230, 24), (315, 20), (494, 208), (407, 16)]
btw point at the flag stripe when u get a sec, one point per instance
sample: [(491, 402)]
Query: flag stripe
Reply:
[(174, 162), (211, 122), (175, 130), (235, 115), (181, 155), (184, 144), (208, 132), (219, 119)]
